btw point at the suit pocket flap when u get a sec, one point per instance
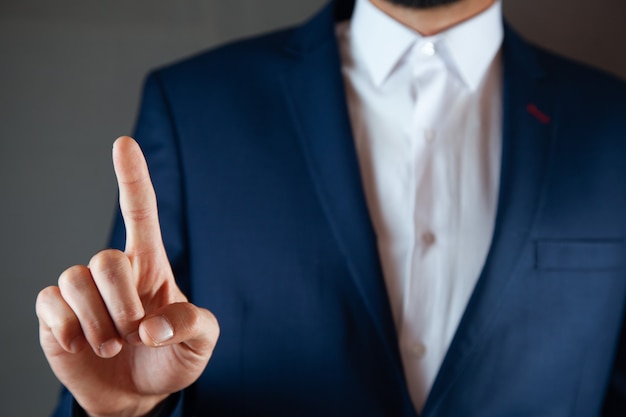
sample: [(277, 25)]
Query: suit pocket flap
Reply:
[(582, 254)]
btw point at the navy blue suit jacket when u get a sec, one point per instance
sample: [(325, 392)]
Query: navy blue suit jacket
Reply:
[(265, 223)]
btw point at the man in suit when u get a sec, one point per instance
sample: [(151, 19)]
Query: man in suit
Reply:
[(399, 208)]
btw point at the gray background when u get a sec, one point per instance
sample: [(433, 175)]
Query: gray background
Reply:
[(70, 78)]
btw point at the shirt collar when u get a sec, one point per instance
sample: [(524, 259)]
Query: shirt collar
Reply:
[(382, 42)]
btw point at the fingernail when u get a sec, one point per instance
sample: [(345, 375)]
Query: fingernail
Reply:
[(110, 348), (134, 339), (159, 329), (76, 344)]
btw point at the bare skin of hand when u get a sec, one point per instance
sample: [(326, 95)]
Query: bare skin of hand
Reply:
[(119, 333)]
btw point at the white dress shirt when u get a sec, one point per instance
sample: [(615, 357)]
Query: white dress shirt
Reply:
[(426, 117)]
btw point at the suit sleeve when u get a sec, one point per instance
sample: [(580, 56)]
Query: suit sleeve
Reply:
[(67, 407)]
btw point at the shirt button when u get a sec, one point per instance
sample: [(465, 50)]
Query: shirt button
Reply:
[(429, 135), (428, 49), (418, 350), (428, 238)]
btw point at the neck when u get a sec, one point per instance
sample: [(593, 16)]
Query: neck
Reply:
[(433, 20)]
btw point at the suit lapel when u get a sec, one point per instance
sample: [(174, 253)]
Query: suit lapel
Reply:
[(314, 90), (529, 113)]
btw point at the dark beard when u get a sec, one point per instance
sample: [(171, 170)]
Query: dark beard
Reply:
[(422, 4)]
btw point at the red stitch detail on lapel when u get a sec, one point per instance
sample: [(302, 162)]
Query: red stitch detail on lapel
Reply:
[(538, 114)]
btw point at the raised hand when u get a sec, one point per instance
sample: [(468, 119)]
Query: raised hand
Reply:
[(119, 333)]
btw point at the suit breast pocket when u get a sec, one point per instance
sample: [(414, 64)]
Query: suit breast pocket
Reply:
[(560, 255)]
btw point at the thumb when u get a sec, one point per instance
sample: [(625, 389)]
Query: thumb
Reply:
[(178, 323)]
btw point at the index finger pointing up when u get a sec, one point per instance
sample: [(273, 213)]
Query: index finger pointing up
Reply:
[(137, 199)]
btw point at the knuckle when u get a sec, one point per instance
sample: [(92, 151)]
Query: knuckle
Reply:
[(46, 294), (108, 266), (44, 300), (64, 326), (206, 322), (137, 180), (191, 320), (96, 330), (141, 214), (214, 325), (74, 277), (60, 320), (127, 314), (108, 259)]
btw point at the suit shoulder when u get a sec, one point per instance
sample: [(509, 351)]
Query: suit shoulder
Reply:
[(582, 78), (228, 60)]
